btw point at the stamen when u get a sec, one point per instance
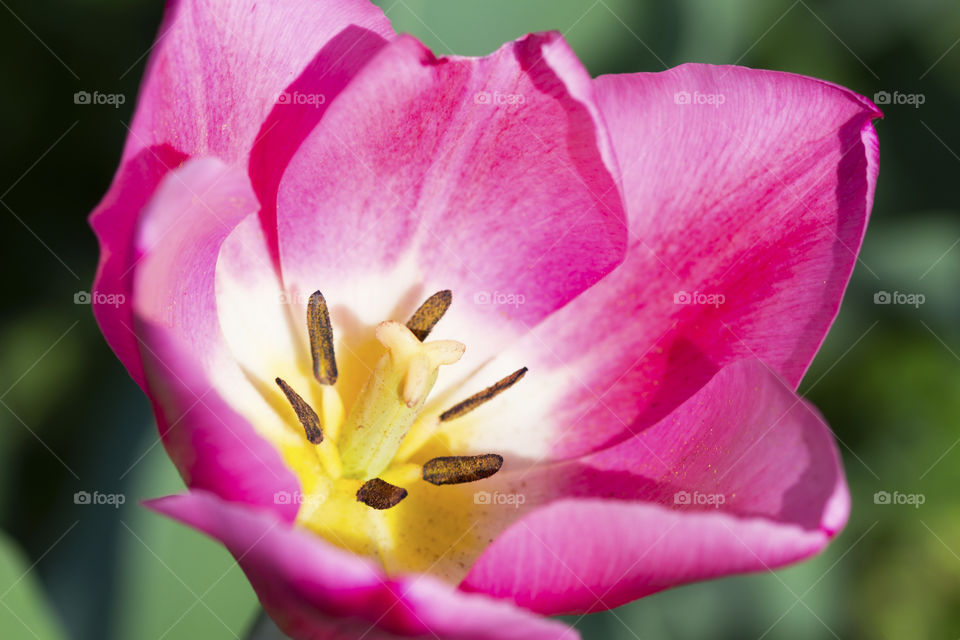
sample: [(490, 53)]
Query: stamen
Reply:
[(425, 318), (460, 469), (305, 413), (321, 340), (478, 399), (380, 494)]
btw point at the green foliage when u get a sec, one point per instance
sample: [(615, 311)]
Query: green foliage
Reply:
[(24, 612)]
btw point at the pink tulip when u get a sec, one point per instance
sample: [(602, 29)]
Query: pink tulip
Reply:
[(664, 253)]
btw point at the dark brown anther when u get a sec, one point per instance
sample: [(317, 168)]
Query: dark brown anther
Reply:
[(380, 494), (321, 340), (425, 318), (478, 399), (305, 413), (460, 469)]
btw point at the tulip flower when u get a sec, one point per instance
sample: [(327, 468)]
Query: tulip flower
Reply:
[(441, 346)]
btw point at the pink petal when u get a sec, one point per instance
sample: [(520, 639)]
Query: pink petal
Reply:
[(212, 80), (186, 360), (114, 221), (315, 591), (762, 199), (487, 176), (218, 68), (622, 532)]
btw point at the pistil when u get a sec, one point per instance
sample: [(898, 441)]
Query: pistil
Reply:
[(392, 398)]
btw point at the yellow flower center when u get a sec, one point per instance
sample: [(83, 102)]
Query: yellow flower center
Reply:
[(361, 489)]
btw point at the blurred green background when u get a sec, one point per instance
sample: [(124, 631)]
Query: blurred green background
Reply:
[(888, 377)]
